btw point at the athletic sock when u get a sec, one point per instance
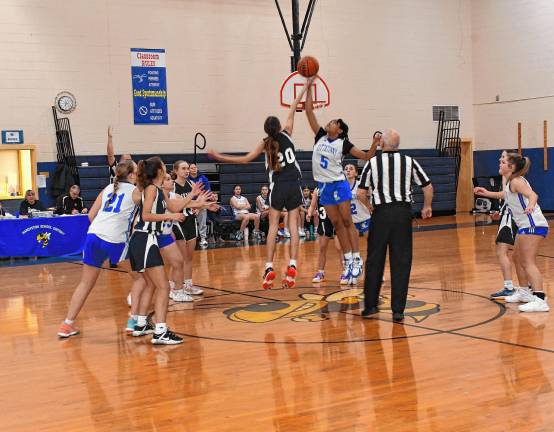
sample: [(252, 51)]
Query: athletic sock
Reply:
[(141, 320), (187, 283), (160, 328), (268, 265), (135, 317), (321, 271), (292, 263), (356, 255), (68, 321), (348, 256), (539, 294), (508, 284)]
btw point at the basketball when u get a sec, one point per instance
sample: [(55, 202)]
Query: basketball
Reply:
[(308, 66)]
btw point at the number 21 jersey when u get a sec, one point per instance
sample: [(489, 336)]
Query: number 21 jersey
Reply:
[(113, 221)]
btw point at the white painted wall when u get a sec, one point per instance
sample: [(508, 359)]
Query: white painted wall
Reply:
[(387, 61), (513, 57)]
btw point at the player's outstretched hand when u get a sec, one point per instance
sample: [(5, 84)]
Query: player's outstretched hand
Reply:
[(479, 190)]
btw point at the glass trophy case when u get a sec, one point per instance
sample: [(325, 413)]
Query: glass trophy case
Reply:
[(17, 170)]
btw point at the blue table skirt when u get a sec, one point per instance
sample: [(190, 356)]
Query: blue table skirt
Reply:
[(43, 237)]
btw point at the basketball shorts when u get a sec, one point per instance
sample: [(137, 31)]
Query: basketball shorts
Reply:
[(326, 228), (540, 231), (187, 230), (165, 240), (507, 234), (144, 251), (96, 251), (364, 226), (334, 193), (285, 195)]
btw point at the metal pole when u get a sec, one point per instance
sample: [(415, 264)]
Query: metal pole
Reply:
[(296, 36)]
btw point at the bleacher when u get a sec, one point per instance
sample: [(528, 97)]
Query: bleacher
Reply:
[(223, 176), (95, 177), (441, 170)]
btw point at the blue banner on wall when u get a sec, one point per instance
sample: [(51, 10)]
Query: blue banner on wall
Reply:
[(149, 86), (57, 236)]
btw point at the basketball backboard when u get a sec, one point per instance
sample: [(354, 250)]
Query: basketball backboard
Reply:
[(292, 85)]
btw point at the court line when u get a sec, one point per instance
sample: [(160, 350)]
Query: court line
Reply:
[(434, 331)]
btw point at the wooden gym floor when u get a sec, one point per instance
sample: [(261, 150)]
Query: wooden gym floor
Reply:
[(295, 360)]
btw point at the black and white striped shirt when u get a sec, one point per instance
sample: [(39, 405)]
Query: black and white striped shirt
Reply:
[(389, 175)]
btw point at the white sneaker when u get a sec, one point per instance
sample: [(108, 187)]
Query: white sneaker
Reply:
[(286, 233), (319, 277), (203, 243), (192, 290), (129, 300), (301, 232), (180, 296), (521, 295), (535, 305), (353, 281), (171, 285), (357, 267), (346, 273)]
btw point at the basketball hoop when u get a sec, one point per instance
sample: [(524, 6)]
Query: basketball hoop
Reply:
[(292, 85)]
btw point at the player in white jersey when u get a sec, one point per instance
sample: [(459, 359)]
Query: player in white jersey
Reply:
[(505, 239), (361, 218), (532, 229), (285, 188), (111, 216), (331, 145)]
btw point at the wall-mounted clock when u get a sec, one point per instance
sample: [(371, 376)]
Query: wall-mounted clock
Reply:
[(65, 102)]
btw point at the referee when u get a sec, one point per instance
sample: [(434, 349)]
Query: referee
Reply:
[(388, 178)]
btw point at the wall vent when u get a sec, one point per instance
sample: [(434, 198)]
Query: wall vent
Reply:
[(450, 112)]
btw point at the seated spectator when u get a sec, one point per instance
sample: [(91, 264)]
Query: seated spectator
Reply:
[(241, 208), (262, 209), (306, 201), (2, 211), (71, 203), (262, 202), (30, 204)]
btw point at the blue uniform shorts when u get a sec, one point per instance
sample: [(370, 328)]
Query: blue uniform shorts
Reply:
[(96, 251), (540, 231), (165, 240), (364, 226), (334, 193)]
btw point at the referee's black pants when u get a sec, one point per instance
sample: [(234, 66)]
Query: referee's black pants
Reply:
[(391, 228)]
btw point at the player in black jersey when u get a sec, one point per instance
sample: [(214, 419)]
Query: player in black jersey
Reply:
[(112, 162), (144, 252), (186, 231), (285, 187)]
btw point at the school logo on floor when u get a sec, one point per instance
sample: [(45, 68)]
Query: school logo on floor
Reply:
[(43, 238), (316, 307)]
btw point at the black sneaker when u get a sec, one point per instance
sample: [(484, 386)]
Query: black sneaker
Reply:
[(143, 330), (166, 338)]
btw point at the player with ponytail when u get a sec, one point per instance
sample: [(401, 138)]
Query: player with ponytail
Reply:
[(284, 185), (331, 145), (532, 229), (107, 238)]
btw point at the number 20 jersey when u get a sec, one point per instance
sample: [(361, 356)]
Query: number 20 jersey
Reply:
[(290, 169), (114, 219)]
